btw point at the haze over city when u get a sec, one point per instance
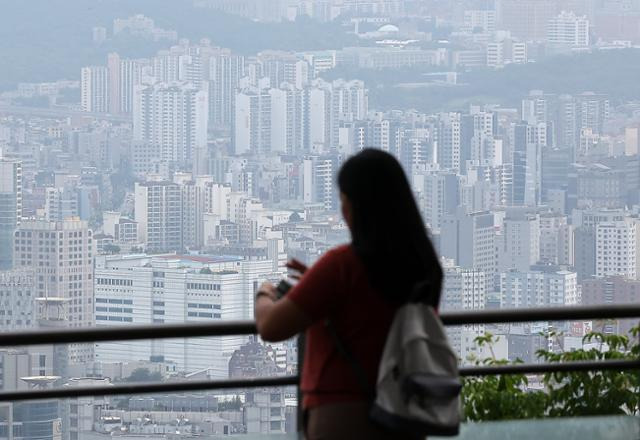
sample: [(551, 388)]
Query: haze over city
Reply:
[(161, 159)]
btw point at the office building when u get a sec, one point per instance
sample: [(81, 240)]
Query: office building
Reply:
[(61, 253), (10, 207), (166, 289), (17, 300), (611, 290)]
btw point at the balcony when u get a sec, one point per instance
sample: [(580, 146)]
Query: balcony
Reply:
[(564, 428)]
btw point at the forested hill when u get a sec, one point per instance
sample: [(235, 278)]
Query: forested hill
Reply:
[(44, 40), (615, 72)]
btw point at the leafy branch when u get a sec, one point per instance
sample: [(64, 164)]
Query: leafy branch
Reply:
[(565, 394)]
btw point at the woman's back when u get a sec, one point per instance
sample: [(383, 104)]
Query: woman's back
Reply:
[(337, 288)]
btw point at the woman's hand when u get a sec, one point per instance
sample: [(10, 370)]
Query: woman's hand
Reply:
[(267, 289), (298, 267), (277, 319)]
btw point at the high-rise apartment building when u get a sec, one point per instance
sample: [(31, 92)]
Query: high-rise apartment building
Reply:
[(617, 247), (158, 211), (611, 290), (441, 195), (288, 119), (10, 207), (540, 287), (61, 253), (124, 74), (252, 127), (319, 176), (519, 244), (448, 153), (61, 203), (593, 110), (556, 240), (172, 119), (527, 164), (464, 289), (483, 20), (225, 71), (284, 67), (94, 89), (469, 239), (569, 30)]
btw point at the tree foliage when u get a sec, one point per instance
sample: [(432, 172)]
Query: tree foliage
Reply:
[(143, 375), (565, 394)]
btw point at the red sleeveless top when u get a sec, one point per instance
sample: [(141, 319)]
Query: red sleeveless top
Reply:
[(337, 287)]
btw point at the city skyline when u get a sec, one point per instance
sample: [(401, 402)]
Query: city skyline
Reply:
[(164, 173)]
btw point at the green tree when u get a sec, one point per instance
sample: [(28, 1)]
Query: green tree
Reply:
[(566, 394), (143, 375), (111, 249), (591, 393), (230, 405), (499, 397)]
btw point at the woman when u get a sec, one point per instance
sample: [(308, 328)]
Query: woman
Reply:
[(356, 287)]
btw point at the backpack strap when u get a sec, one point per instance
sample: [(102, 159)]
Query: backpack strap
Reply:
[(356, 367)]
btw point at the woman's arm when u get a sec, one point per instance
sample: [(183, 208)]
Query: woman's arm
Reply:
[(277, 319)]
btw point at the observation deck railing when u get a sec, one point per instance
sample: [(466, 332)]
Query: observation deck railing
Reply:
[(228, 328)]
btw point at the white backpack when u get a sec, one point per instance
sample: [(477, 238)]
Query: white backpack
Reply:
[(418, 386)]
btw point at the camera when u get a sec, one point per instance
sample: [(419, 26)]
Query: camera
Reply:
[(283, 287)]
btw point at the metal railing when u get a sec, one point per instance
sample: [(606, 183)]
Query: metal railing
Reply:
[(168, 331)]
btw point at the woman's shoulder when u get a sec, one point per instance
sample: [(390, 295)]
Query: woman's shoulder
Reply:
[(342, 252)]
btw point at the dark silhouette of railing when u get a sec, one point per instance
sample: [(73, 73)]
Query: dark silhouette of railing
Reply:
[(226, 328)]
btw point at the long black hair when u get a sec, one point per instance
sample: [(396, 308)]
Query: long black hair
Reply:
[(387, 231)]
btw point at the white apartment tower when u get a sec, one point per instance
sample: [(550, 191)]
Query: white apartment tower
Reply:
[(172, 119), (225, 71), (124, 74), (448, 150), (464, 289), (287, 119), (520, 241), (252, 128), (538, 288), (469, 239), (617, 247), (479, 19), (158, 211), (569, 30), (94, 89)]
